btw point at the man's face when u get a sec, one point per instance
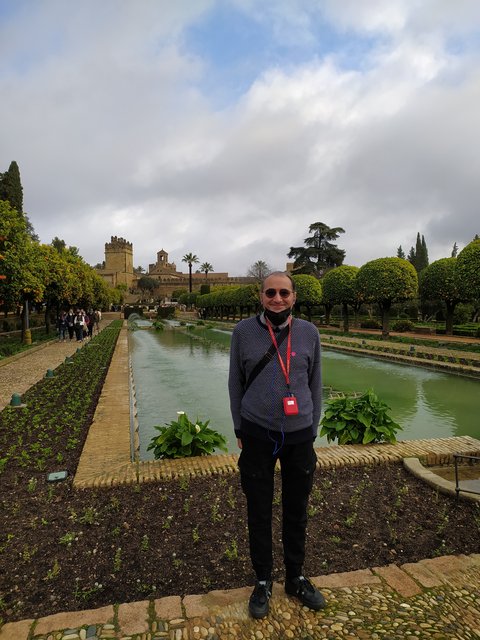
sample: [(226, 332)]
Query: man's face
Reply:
[(277, 294)]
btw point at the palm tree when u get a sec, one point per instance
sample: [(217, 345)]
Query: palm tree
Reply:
[(190, 258), (206, 268), (259, 270)]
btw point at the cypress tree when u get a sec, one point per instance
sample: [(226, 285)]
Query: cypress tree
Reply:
[(11, 187), (400, 253), (424, 261), (418, 253), (419, 256), (11, 190), (412, 257)]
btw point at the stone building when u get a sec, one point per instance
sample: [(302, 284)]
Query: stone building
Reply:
[(170, 280), (118, 265), (118, 269)]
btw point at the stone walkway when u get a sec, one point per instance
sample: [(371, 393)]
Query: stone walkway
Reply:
[(437, 598), (18, 373)]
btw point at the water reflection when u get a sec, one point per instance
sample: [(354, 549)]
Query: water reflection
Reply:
[(173, 371), (444, 395)]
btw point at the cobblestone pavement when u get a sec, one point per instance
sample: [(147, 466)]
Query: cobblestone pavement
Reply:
[(438, 599), (433, 599)]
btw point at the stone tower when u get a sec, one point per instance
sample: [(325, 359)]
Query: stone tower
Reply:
[(119, 260)]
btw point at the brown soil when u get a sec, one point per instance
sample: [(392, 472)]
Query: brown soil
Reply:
[(62, 549)]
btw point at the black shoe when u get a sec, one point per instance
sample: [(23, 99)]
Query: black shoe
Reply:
[(258, 603), (304, 590)]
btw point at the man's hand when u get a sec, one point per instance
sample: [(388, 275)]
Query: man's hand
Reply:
[(239, 442)]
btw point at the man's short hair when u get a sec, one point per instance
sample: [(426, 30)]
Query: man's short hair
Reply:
[(279, 273)]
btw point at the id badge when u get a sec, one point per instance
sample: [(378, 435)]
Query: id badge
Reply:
[(290, 407)]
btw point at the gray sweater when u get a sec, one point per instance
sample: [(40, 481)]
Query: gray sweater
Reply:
[(262, 402)]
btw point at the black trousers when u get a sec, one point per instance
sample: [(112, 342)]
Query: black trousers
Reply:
[(257, 465)]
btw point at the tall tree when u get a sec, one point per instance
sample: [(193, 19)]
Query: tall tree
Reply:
[(259, 270), (206, 268), (147, 284), (11, 187), (401, 253), (424, 254), (58, 244), (385, 281), (418, 256), (319, 253), (438, 283), (454, 250), (338, 287), (309, 292), (11, 190), (190, 259), (22, 284), (468, 272)]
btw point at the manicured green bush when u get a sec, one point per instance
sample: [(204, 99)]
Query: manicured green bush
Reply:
[(370, 324), (403, 325), (166, 312)]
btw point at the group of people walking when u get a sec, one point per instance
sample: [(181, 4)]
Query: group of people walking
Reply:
[(78, 325)]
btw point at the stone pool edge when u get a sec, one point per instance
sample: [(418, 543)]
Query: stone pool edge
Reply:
[(106, 456)]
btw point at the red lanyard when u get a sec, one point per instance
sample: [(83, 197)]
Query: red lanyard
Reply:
[(285, 369)]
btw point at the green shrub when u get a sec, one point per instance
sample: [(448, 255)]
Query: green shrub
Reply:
[(403, 325), (358, 420), (182, 439), (370, 324), (8, 325), (166, 312)]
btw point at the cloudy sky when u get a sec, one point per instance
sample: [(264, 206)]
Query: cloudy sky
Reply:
[(225, 128)]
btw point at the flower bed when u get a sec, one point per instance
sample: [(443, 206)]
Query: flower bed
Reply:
[(50, 430)]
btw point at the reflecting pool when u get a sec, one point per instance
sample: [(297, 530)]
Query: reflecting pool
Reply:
[(173, 371)]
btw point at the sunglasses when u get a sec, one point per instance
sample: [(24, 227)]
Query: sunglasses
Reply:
[(271, 293)]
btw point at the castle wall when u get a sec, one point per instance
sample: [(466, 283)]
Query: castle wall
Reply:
[(119, 270)]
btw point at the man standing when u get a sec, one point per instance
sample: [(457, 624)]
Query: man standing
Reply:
[(275, 400)]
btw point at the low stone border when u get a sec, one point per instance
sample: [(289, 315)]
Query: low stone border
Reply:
[(437, 482), (26, 352), (411, 360)]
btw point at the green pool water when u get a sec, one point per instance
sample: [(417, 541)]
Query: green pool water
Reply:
[(175, 372)]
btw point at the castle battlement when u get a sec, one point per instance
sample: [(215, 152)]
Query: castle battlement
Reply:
[(118, 244)]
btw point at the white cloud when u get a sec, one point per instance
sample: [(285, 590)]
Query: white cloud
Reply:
[(104, 111)]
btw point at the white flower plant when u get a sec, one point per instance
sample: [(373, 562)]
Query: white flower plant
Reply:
[(183, 438)]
